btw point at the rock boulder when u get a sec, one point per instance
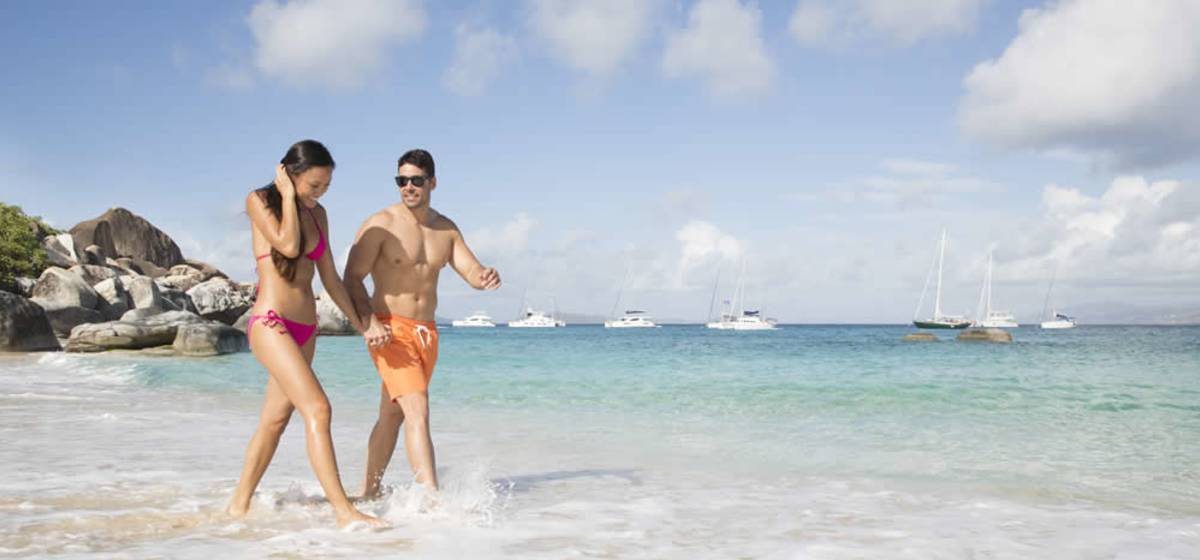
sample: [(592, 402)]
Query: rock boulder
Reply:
[(24, 326), (219, 299), (209, 339), (60, 250), (985, 335), (58, 287), (157, 330), (331, 320), (126, 234), (92, 274)]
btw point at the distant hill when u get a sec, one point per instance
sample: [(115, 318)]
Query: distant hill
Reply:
[(1112, 313)]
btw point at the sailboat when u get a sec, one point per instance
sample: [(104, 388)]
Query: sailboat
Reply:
[(985, 315), (534, 319), (633, 318), (1056, 320), (939, 320), (744, 319)]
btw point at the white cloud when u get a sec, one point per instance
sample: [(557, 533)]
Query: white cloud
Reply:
[(1137, 232), (509, 238), (592, 36), (722, 44), (824, 22), (480, 54), (330, 43), (813, 22), (907, 183), (1114, 79), (702, 244)]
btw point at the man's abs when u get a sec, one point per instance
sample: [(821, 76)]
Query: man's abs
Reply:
[(405, 292)]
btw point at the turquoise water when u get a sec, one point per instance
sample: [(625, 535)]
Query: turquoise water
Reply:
[(1096, 412), (808, 441)]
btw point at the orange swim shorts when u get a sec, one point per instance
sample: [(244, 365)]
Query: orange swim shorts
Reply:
[(406, 363)]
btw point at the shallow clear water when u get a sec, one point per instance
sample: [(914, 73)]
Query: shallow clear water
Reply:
[(680, 442)]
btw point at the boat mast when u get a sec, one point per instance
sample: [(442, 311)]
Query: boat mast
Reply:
[(713, 301), (1046, 306), (617, 304), (988, 310), (937, 302), (740, 295)]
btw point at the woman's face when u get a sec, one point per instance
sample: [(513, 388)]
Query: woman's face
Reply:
[(312, 184)]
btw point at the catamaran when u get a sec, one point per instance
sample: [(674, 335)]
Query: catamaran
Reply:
[(1056, 320), (939, 320), (985, 315), (536, 320), (632, 319), (479, 319), (744, 319)]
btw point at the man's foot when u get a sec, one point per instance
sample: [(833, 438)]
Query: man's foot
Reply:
[(370, 494), (355, 516)]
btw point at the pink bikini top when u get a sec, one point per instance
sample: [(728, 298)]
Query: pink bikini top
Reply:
[(317, 251)]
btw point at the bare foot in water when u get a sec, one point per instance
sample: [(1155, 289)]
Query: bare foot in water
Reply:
[(355, 516), (236, 512)]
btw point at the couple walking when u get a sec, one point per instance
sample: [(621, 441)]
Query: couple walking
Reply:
[(404, 248)]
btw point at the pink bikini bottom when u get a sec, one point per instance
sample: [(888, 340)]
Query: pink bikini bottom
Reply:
[(300, 332)]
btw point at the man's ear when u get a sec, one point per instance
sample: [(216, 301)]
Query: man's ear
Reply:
[(432, 183)]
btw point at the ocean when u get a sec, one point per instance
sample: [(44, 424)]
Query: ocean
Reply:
[(824, 442)]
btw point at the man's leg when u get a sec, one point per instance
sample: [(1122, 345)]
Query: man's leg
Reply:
[(416, 438), (382, 442)]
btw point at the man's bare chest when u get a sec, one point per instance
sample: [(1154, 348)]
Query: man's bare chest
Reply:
[(417, 246)]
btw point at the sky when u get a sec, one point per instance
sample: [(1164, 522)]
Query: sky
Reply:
[(651, 148)]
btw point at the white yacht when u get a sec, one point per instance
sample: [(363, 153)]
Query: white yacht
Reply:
[(985, 315), (749, 320), (633, 319), (536, 320), (479, 319), (1059, 321), (744, 320), (1056, 320)]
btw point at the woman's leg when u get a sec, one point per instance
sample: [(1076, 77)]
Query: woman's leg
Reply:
[(288, 365), (276, 412)]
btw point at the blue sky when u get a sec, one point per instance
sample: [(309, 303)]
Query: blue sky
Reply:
[(825, 143)]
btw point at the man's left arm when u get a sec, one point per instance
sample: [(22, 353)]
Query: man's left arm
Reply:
[(467, 266)]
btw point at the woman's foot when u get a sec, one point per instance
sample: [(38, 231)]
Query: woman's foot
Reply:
[(237, 512), (354, 516)]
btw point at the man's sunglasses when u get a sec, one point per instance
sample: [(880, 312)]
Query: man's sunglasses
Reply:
[(416, 180)]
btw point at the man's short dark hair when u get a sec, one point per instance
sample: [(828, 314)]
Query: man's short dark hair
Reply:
[(419, 158)]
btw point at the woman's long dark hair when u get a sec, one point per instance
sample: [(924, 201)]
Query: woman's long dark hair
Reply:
[(299, 158)]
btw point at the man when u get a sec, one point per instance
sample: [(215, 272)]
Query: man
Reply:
[(404, 248)]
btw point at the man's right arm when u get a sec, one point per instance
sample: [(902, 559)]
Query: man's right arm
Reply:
[(363, 253)]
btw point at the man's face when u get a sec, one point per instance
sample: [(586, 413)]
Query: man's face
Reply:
[(411, 194)]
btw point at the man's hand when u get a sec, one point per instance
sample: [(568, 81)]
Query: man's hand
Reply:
[(377, 334), (489, 279)]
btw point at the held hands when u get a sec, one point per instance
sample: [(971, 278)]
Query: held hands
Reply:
[(377, 334), (283, 182), (489, 279)]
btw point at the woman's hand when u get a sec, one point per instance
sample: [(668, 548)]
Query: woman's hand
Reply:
[(377, 333), (283, 183)]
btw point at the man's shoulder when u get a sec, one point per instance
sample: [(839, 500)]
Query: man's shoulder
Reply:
[(443, 222), (384, 217)]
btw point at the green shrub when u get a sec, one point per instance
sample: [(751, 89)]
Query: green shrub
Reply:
[(21, 252)]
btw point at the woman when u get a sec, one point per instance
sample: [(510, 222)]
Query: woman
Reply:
[(288, 230)]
